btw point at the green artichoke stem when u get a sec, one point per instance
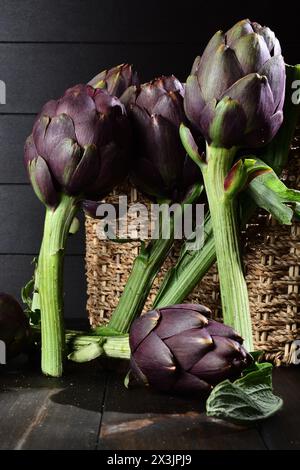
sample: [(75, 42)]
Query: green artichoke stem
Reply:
[(188, 272), (50, 283), (136, 291), (117, 347), (223, 209), (113, 346), (146, 267)]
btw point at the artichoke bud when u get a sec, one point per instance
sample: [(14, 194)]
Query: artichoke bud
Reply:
[(236, 179), (178, 349), (156, 111), (84, 131), (246, 65)]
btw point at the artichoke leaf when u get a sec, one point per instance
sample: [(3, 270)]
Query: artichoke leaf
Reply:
[(30, 297), (190, 145), (270, 193), (246, 400)]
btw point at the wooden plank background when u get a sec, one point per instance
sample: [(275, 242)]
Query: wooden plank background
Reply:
[(47, 46)]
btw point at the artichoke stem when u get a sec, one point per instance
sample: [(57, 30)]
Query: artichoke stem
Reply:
[(117, 347), (146, 266), (139, 283), (223, 209), (113, 346), (188, 272), (50, 283)]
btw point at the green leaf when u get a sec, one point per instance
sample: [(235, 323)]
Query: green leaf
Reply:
[(190, 145), (256, 356), (271, 194), (236, 179), (31, 298), (86, 353), (26, 294), (246, 400)]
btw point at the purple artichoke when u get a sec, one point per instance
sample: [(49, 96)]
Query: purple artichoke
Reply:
[(161, 167), (79, 145), (78, 150), (235, 93), (178, 349), (14, 326), (116, 80)]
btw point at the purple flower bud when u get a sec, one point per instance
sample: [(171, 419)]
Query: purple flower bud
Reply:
[(178, 349), (79, 145), (160, 169), (235, 93)]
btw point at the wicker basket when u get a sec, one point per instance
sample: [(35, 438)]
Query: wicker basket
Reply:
[(271, 256)]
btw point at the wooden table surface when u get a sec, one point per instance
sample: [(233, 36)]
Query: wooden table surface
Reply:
[(89, 408)]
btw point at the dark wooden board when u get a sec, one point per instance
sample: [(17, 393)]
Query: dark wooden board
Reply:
[(13, 131), (24, 219), (283, 430), (139, 419), (35, 73), (116, 20), (84, 410), (16, 270), (45, 413)]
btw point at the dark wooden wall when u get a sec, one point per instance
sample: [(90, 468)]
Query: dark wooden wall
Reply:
[(48, 45)]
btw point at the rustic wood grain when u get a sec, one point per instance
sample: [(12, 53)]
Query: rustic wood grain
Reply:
[(13, 131), (116, 20), (282, 431), (46, 413), (140, 419)]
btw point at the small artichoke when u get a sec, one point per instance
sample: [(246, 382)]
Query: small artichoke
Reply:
[(178, 349), (161, 168), (14, 325), (79, 145), (116, 80), (235, 93)]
